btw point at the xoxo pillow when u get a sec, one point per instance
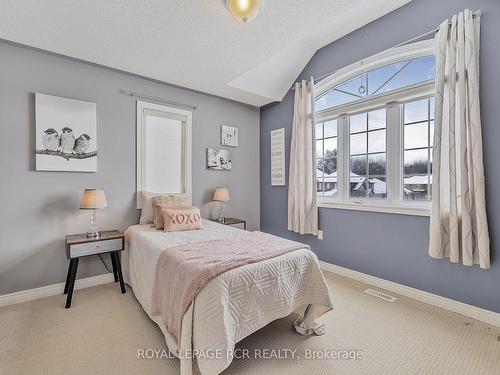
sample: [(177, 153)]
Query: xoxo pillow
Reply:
[(160, 207), (181, 219)]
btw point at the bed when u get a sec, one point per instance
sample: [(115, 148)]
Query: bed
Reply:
[(232, 305)]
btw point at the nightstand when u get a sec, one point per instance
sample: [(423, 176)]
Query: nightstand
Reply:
[(79, 245), (233, 222)]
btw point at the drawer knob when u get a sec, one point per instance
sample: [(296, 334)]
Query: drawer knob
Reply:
[(97, 247)]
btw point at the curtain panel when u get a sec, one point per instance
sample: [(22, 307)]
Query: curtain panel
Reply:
[(458, 225), (302, 205)]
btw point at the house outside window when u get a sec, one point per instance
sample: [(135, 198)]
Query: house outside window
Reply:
[(374, 124)]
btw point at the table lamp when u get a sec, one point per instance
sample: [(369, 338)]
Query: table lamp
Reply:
[(93, 199), (221, 195)]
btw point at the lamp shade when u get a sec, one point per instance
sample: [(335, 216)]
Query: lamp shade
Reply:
[(93, 199), (221, 194)]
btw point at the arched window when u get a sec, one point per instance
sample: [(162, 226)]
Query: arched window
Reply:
[(374, 131), (379, 81)]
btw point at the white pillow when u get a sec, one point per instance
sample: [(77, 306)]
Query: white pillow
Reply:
[(148, 211)]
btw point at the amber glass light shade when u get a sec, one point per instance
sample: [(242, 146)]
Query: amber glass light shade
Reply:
[(245, 10)]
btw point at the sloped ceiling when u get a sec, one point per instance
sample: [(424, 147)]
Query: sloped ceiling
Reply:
[(194, 44)]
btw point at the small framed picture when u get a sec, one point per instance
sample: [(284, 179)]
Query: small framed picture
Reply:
[(218, 159), (229, 136)]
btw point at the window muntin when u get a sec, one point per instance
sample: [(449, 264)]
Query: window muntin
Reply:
[(367, 155), (379, 81), (326, 158), (418, 133)]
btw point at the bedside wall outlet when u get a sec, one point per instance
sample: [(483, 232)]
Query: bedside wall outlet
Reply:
[(320, 234)]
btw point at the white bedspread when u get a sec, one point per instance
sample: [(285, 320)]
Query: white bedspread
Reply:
[(232, 305)]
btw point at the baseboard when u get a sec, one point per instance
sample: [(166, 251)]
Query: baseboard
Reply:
[(470, 311), (52, 290)]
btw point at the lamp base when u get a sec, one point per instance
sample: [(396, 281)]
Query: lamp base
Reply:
[(220, 218), (94, 232)]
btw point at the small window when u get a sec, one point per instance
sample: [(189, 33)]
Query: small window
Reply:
[(418, 131), (163, 149), (367, 150), (326, 158), (162, 154), (379, 81)]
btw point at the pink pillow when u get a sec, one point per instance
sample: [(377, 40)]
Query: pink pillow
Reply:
[(159, 214), (179, 219)]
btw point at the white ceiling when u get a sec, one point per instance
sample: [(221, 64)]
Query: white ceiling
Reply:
[(194, 44)]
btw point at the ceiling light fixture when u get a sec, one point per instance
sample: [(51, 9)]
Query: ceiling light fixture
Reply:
[(245, 10)]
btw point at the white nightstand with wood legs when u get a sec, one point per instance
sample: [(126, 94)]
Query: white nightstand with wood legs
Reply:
[(79, 245)]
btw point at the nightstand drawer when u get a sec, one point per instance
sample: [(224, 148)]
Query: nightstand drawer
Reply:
[(238, 225), (103, 246)]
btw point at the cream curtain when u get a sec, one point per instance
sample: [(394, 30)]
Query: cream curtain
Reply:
[(458, 226), (302, 206)]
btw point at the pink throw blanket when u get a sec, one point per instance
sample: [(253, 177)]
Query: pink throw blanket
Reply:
[(182, 271)]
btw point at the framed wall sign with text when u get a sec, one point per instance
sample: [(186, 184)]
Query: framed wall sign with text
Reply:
[(278, 157)]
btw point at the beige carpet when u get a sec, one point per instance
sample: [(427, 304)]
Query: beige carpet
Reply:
[(103, 330)]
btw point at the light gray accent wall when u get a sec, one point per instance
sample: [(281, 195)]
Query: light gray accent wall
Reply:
[(39, 208), (390, 246)]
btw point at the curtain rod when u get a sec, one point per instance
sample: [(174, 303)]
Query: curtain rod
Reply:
[(435, 30), (160, 100)]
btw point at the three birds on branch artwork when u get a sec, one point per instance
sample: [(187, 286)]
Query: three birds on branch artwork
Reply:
[(66, 145), (66, 134)]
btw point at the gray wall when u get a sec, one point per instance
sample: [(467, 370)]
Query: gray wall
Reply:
[(40, 208), (391, 246)]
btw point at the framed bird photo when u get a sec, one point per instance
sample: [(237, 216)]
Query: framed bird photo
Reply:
[(218, 159), (66, 134)]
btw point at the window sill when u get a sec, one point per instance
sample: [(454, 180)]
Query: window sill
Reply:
[(402, 209)]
